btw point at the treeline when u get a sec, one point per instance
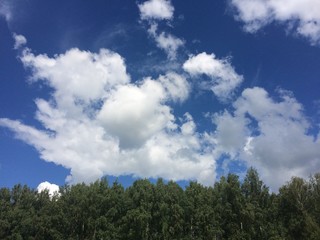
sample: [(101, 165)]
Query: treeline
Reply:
[(228, 210)]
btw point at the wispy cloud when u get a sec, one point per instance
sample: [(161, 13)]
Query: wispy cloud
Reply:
[(6, 10), (152, 12), (169, 43), (19, 41)]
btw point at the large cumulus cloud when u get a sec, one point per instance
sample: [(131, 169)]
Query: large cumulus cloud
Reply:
[(97, 121)]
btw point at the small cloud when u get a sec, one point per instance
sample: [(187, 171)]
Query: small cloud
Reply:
[(6, 10), (153, 11), (156, 10), (52, 189), (165, 41), (169, 44), (20, 41), (224, 78)]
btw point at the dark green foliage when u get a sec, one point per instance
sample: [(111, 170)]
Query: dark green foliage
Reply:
[(145, 211), (298, 203)]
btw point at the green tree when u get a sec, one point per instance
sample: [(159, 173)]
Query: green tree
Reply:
[(255, 210), (229, 207), (201, 221), (136, 222), (229, 210), (294, 198), (5, 211)]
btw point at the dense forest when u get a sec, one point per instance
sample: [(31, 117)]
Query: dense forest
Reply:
[(228, 210)]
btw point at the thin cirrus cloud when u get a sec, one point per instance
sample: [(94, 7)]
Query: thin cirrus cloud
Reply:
[(6, 10), (301, 16), (224, 79), (99, 122)]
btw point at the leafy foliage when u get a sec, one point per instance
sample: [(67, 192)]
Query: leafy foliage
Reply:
[(228, 210)]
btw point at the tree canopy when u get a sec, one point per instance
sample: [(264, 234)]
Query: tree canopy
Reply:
[(231, 209)]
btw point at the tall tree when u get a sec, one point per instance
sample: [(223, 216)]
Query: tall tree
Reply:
[(294, 211), (229, 207), (255, 210), (200, 216), (5, 211), (139, 202)]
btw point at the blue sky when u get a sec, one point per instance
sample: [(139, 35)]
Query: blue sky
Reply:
[(183, 90)]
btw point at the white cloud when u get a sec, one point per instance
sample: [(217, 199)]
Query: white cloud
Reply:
[(230, 135), (97, 122), (156, 10), (6, 10), (153, 11), (224, 78), (269, 135), (144, 106), (176, 86), (169, 44), (135, 113), (19, 41), (305, 15), (78, 74), (176, 155), (165, 41), (52, 189), (160, 10)]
